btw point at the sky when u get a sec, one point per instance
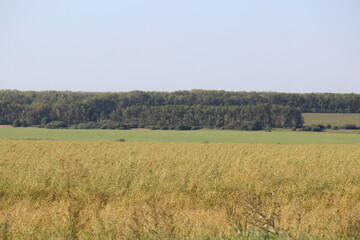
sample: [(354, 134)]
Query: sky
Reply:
[(163, 45)]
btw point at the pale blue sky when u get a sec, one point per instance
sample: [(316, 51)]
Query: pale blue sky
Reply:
[(153, 45)]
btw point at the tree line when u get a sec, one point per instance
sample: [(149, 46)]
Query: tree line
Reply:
[(190, 108), (305, 102), (230, 117)]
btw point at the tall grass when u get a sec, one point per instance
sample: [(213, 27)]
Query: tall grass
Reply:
[(104, 190)]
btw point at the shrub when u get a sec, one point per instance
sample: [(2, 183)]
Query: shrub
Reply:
[(134, 125), (317, 129), (350, 126), (16, 123), (102, 125), (313, 128), (89, 125), (45, 121), (244, 127), (19, 123), (227, 127), (107, 124), (306, 128), (56, 125), (256, 126), (320, 126), (182, 127)]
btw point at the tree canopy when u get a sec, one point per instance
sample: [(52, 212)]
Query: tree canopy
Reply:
[(192, 108)]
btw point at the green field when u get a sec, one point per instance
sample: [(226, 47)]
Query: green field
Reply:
[(335, 119), (199, 136)]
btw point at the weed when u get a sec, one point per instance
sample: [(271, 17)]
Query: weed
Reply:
[(5, 233), (151, 220)]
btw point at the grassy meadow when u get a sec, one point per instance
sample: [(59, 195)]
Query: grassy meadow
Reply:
[(278, 136), (117, 190), (335, 119)]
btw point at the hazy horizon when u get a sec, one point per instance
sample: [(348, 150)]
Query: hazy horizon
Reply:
[(118, 46), (179, 90)]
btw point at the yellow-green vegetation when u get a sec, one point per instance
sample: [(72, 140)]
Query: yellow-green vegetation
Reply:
[(335, 119), (276, 136), (116, 190)]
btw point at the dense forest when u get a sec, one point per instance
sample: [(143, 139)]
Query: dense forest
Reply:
[(195, 108)]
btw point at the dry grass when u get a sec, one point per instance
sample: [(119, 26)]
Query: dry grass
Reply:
[(102, 190)]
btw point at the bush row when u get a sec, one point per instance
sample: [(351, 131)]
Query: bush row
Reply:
[(107, 124), (320, 128)]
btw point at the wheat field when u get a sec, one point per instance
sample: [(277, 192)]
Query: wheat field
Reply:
[(335, 119), (115, 190)]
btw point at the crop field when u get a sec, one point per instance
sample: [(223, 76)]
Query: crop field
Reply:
[(278, 136), (335, 119), (117, 190)]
